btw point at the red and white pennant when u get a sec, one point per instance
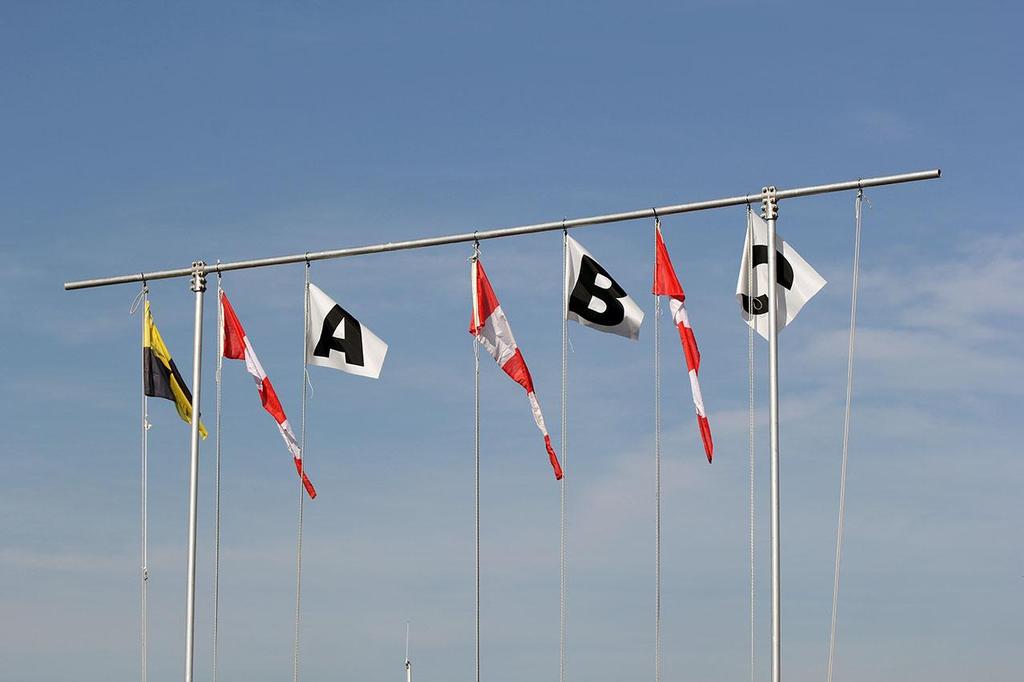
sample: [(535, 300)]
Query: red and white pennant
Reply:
[(491, 329), (667, 284), (236, 346)]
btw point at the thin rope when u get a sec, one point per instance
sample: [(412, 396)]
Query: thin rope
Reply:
[(143, 296), (563, 446), (657, 477), (841, 525), (750, 441), (302, 492), (216, 513), (657, 490), (476, 490), (476, 467)]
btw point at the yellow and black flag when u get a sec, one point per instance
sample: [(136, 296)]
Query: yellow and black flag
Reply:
[(160, 377)]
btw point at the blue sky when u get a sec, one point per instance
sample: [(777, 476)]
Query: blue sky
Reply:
[(144, 137)]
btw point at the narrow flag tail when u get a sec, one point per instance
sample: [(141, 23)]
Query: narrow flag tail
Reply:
[(160, 376), (595, 299), (236, 346), (705, 434), (306, 483), (492, 331), (692, 355), (553, 458)]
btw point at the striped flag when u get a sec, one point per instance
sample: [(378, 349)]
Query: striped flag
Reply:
[(236, 346), (492, 330), (160, 376), (667, 284)]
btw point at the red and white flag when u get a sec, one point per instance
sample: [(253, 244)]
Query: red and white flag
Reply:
[(667, 284), (491, 328), (236, 346)]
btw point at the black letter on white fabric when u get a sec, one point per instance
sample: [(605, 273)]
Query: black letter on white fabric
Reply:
[(351, 345), (586, 290), (784, 273)]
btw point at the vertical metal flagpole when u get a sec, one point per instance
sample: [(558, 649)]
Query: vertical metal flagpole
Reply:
[(199, 288), (770, 211), (751, 443)]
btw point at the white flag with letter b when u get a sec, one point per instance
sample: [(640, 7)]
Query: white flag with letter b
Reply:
[(336, 339), (797, 280), (596, 300)]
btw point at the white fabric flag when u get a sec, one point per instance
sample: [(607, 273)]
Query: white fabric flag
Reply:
[(336, 339), (797, 280), (596, 300)]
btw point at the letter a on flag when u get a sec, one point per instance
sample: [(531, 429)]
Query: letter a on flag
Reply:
[(667, 284), (336, 339), (492, 330), (797, 280), (596, 300)]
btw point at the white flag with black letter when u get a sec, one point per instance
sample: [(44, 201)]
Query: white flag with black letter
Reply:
[(797, 280), (336, 339), (594, 299)]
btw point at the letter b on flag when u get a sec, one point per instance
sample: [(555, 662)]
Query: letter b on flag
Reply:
[(595, 299), (596, 295)]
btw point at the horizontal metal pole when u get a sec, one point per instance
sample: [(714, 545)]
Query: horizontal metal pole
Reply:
[(481, 235)]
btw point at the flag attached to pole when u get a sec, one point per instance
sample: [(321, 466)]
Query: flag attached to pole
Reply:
[(236, 346), (336, 339), (160, 376), (492, 330), (594, 298), (797, 280), (667, 284)]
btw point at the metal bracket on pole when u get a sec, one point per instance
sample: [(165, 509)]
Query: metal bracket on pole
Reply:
[(769, 203), (198, 276), (199, 288)]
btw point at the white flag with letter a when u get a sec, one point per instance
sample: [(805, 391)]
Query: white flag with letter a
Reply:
[(596, 300), (797, 280), (336, 339)]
